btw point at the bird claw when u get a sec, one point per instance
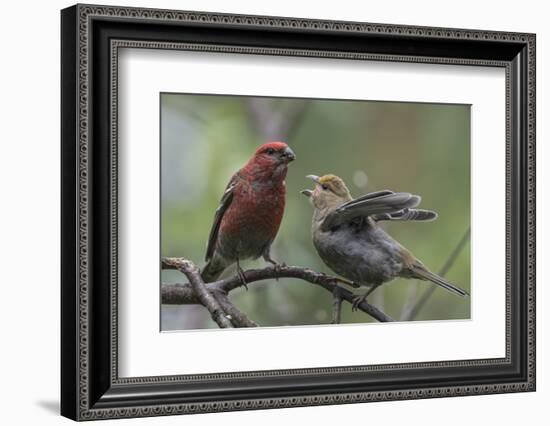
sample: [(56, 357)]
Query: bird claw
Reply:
[(341, 280), (278, 267), (357, 300), (240, 273), (354, 285)]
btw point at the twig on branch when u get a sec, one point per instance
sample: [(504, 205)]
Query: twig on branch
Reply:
[(412, 311), (199, 288), (336, 306), (183, 293)]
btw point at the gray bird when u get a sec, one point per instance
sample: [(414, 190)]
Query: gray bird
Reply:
[(350, 242)]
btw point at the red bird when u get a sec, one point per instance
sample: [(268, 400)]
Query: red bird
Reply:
[(250, 211)]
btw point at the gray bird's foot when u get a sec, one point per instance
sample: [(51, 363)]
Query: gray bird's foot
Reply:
[(340, 280), (357, 300), (348, 282)]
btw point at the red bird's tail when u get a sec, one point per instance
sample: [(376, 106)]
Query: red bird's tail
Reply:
[(212, 270)]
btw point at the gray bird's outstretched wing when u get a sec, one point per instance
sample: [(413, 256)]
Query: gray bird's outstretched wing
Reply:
[(376, 203), (417, 215), (222, 208)]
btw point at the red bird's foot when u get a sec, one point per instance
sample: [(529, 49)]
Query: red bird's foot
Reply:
[(278, 267), (240, 273)]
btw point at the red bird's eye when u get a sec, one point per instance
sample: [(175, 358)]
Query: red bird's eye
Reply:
[(270, 151)]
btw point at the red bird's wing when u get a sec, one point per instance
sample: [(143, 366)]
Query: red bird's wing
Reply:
[(222, 207)]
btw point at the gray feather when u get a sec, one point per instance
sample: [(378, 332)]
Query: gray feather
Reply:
[(407, 215), (424, 274), (367, 206), (372, 195)]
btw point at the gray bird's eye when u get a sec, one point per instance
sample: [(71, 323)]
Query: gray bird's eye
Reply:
[(325, 187)]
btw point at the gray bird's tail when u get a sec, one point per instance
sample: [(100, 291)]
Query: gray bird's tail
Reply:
[(425, 274)]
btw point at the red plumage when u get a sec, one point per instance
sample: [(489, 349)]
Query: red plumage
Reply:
[(250, 212)]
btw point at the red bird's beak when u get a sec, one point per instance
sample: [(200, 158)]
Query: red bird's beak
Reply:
[(288, 155)]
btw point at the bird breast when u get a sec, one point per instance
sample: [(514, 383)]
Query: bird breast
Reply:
[(367, 256), (252, 220)]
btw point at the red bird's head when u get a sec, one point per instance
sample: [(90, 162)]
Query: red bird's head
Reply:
[(270, 161), (274, 153)]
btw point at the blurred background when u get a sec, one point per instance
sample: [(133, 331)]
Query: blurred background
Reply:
[(412, 147)]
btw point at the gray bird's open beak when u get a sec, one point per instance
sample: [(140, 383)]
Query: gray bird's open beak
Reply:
[(308, 192), (314, 178)]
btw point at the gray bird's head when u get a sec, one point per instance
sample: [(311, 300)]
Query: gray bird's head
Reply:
[(330, 192)]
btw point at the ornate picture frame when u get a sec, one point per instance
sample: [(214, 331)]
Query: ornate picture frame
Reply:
[(91, 37)]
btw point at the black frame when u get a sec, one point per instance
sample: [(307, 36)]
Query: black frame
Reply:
[(90, 387)]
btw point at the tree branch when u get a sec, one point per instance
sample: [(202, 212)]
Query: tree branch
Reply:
[(183, 293), (238, 318), (199, 288)]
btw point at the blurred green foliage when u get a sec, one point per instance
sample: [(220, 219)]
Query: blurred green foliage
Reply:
[(413, 147)]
